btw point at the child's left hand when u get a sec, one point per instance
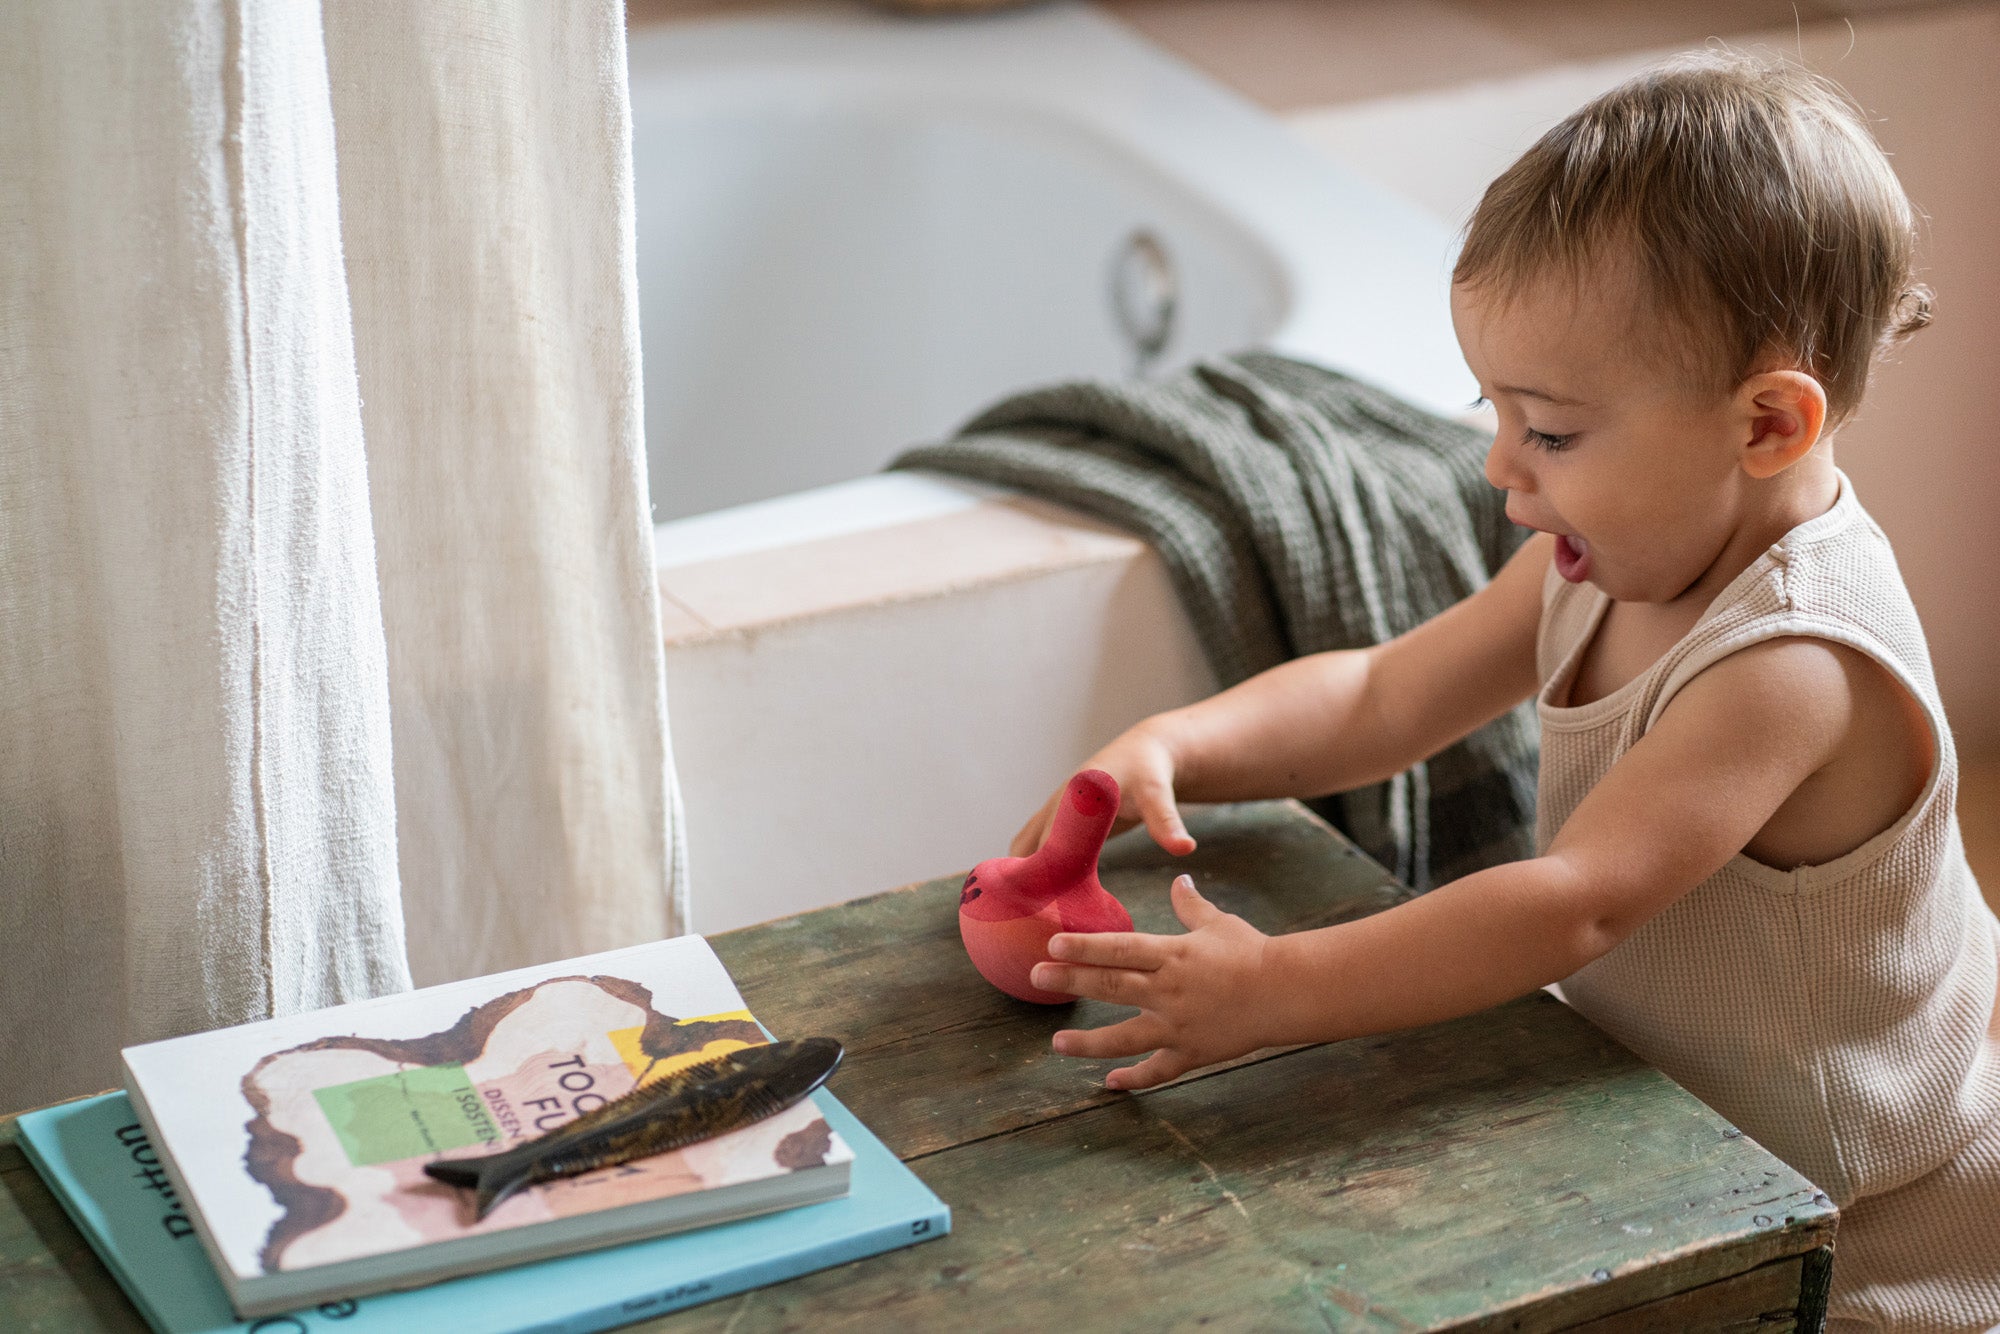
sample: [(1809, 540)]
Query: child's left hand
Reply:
[(1201, 996)]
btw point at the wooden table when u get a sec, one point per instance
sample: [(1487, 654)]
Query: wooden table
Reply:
[(1513, 1170)]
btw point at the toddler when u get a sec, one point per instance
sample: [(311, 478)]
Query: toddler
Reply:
[(1749, 866)]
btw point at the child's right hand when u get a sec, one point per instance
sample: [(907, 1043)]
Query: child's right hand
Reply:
[(1143, 764)]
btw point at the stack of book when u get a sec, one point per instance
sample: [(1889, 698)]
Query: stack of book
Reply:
[(276, 1169)]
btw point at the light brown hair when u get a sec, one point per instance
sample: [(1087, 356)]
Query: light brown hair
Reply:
[(1762, 215)]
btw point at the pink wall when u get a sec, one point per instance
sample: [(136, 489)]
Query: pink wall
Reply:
[(1925, 451)]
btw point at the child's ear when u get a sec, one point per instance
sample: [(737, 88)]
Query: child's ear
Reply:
[(1784, 411)]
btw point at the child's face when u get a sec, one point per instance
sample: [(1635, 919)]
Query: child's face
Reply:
[(1601, 439)]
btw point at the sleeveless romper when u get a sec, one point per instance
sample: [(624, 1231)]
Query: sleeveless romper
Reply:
[(1839, 1014)]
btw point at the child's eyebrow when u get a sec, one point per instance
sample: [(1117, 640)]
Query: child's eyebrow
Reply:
[(1543, 394)]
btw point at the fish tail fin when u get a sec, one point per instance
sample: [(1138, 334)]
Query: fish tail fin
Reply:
[(491, 1179)]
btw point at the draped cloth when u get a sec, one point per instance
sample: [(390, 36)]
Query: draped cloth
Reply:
[(329, 644), (1297, 510)]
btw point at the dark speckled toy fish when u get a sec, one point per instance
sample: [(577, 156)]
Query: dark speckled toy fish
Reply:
[(707, 1099)]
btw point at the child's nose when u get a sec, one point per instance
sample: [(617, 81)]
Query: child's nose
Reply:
[(1503, 466)]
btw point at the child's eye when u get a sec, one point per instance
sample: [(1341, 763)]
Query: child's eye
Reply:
[(1479, 402), (1543, 440)]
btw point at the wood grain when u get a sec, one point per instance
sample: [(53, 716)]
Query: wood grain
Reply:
[(936, 1056), (1514, 1169), (1763, 1301), (49, 1277)]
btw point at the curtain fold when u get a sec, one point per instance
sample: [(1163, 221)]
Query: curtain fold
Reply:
[(323, 540), (486, 202)]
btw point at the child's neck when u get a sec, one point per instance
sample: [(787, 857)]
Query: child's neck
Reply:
[(1766, 509), (1632, 636)]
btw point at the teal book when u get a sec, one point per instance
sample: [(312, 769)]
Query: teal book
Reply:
[(97, 1159)]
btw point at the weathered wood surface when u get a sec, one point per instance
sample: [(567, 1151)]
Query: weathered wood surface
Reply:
[(49, 1278), (1512, 1170), (1763, 1301), (936, 1056)]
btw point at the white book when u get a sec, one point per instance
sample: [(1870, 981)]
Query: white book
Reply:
[(297, 1145)]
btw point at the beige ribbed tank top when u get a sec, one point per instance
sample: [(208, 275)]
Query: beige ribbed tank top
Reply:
[(1837, 1013)]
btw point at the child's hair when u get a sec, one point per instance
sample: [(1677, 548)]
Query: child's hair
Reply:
[(1762, 216)]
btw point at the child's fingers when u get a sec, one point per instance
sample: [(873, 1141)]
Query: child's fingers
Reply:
[(1120, 986), (1131, 1037), (1155, 799), (1194, 911), (1158, 1068), (1109, 949)]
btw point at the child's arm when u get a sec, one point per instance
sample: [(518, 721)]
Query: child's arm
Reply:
[(1331, 721), (1726, 753)]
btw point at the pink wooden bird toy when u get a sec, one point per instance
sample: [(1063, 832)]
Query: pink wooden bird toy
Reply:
[(1010, 906)]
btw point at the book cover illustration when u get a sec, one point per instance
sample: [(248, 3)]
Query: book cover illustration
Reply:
[(344, 1124), (299, 1142)]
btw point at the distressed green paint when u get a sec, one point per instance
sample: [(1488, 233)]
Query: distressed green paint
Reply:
[(1762, 1301), (890, 979), (1513, 1170), (1479, 1173), (49, 1278)]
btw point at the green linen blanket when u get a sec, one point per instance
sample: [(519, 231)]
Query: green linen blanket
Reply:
[(1297, 510)]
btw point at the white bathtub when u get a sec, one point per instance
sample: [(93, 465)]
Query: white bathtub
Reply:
[(855, 230)]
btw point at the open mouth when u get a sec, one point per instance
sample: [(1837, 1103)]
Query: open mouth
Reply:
[(1572, 558)]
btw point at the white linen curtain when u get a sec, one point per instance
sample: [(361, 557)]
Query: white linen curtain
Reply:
[(329, 641)]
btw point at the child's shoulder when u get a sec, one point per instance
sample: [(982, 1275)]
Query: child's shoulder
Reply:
[(1820, 643), (1832, 579), (1858, 740)]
